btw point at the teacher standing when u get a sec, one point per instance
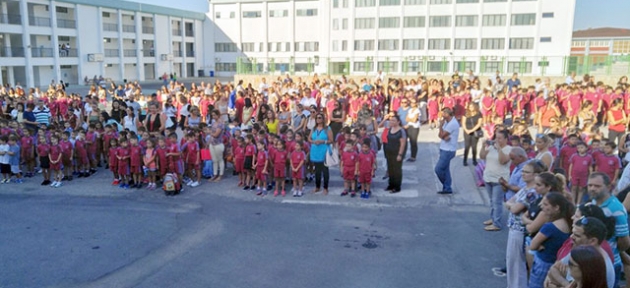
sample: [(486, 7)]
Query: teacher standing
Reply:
[(321, 138), (449, 130)]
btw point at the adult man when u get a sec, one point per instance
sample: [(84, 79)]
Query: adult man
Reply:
[(515, 183), (42, 113), (263, 88), (135, 106), (513, 82), (586, 231), (449, 131), (599, 190), (570, 79), (307, 99)]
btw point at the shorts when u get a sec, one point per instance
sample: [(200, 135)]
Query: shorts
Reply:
[(433, 116), (83, 160), (44, 162), (239, 165), (15, 169), (279, 172), (348, 173), (578, 182), (5, 168), (123, 169), (247, 165), (66, 161), (92, 155), (259, 173), (113, 168), (55, 166), (27, 155), (299, 174), (135, 169), (176, 167), (365, 177)]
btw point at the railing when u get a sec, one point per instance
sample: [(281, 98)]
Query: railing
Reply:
[(68, 52), (177, 32), (190, 33), (148, 53), (129, 28), (112, 53), (110, 27), (177, 53), (39, 21), (64, 23), (41, 52), (148, 30), (190, 53), (10, 19), (11, 51), (130, 53)]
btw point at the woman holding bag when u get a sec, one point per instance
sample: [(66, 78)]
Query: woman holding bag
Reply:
[(472, 131), (321, 138)]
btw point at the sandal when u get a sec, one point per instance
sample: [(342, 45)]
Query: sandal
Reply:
[(492, 228), (487, 222)]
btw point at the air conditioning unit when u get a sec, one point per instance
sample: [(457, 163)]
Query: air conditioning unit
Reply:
[(166, 57)]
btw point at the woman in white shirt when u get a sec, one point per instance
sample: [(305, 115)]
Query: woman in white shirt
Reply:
[(497, 156), (131, 121)]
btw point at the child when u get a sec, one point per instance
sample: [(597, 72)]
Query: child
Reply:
[(135, 161), (66, 152), (107, 140), (161, 158), (261, 162), (567, 151), (349, 167), (580, 166), (91, 145), (122, 154), (239, 160), (367, 168), (14, 158), (174, 154), (81, 152), (298, 157), (433, 108), (609, 163), (43, 149), (279, 166), (526, 143), (113, 159), (28, 152), (193, 161), (248, 168), (150, 162), (5, 167), (55, 157)]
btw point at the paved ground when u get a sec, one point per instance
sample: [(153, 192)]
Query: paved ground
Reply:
[(91, 234)]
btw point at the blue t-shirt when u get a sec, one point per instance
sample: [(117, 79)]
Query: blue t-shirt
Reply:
[(555, 239), (318, 151), (613, 208), (15, 158), (402, 113)]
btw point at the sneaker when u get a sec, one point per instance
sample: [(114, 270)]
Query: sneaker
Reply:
[(300, 193), (353, 194), (65, 178), (245, 188), (139, 186), (115, 182), (126, 187), (194, 184), (367, 194), (53, 184), (362, 194), (80, 175), (344, 193), (284, 193), (4, 181), (294, 192), (121, 185), (58, 184)]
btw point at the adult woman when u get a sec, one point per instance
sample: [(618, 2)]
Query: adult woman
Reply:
[(215, 144), (310, 120), (184, 109), (497, 156), (546, 113), (222, 105), (170, 112), (337, 117), (261, 114), (517, 205), (366, 119), (542, 147), (587, 267), (156, 121), (321, 138), (298, 122), (117, 113), (271, 122), (93, 116), (194, 118), (284, 117), (413, 127), (248, 111), (586, 114), (552, 234), (394, 153), (131, 121), (617, 121), (472, 123)]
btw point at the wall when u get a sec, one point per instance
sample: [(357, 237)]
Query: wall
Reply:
[(130, 72), (89, 40)]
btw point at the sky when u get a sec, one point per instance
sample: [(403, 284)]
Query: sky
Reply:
[(588, 14)]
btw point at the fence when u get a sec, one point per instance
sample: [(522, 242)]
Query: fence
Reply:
[(438, 65)]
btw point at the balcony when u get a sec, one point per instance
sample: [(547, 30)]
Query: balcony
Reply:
[(190, 53), (112, 53), (130, 53), (177, 53), (148, 53), (41, 52), (68, 24), (177, 32), (11, 51), (39, 21), (129, 28), (190, 33), (68, 53), (10, 19), (110, 27), (148, 30)]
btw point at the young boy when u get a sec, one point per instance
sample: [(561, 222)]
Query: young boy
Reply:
[(609, 163), (367, 168), (239, 160), (567, 151), (43, 149), (91, 145), (83, 162), (260, 163), (27, 146), (279, 167), (580, 166), (14, 158), (5, 168), (298, 157), (349, 167), (113, 160), (66, 152), (248, 167), (174, 154)]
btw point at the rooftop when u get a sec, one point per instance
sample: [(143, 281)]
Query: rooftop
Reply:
[(143, 8), (604, 32)]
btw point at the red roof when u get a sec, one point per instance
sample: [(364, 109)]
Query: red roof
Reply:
[(604, 32)]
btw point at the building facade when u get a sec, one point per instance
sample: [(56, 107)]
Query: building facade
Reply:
[(601, 51), (396, 36), (42, 41)]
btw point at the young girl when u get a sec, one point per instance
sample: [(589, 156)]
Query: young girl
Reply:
[(161, 158), (150, 162), (261, 163), (122, 155), (91, 145), (174, 154), (135, 161), (55, 157), (191, 150), (248, 168), (113, 160), (66, 159), (298, 158), (27, 149), (279, 167), (239, 160), (43, 149), (349, 168)]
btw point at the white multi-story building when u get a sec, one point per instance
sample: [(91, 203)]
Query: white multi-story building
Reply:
[(69, 40), (396, 36)]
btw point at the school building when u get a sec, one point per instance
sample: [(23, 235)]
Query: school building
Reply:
[(601, 51)]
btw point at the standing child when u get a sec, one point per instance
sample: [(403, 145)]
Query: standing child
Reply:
[(580, 166), (28, 152), (161, 158), (239, 160), (122, 154), (433, 108), (367, 168), (5, 168), (298, 158), (135, 161), (14, 158), (43, 149), (279, 167), (248, 167), (349, 168), (113, 160), (150, 162), (609, 163), (55, 157), (193, 160), (261, 162), (66, 152), (91, 145), (174, 154), (83, 162)]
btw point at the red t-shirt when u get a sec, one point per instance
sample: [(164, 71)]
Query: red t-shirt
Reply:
[(66, 148), (55, 152), (607, 164), (580, 164), (261, 159), (565, 153), (296, 158), (123, 152), (366, 162), (280, 158), (192, 153), (349, 159), (250, 150), (135, 152)]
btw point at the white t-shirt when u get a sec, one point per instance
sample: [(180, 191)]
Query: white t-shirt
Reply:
[(4, 159), (494, 170), (452, 127)]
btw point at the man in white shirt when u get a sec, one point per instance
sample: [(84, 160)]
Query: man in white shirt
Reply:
[(570, 79), (263, 87), (449, 131)]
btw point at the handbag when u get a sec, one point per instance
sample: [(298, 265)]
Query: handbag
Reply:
[(332, 157), (478, 133), (205, 154)]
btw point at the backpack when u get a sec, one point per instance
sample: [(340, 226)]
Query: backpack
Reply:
[(170, 184)]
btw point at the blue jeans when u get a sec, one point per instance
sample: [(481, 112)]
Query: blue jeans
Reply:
[(495, 193), (443, 169)]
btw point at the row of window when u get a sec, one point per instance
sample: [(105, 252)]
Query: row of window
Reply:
[(372, 3), (390, 44), (275, 13), (436, 21), (409, 66)]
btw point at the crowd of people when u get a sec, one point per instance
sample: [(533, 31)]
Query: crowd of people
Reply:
[(557, 186)]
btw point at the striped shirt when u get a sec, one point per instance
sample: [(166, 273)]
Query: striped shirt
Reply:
[(42, 115)]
